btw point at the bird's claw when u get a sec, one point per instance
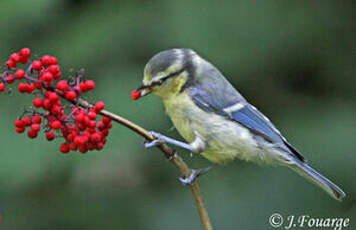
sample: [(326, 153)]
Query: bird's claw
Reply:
[(195, 173), (151, 144), (154, 143)]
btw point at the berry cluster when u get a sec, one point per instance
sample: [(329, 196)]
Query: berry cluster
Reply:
[(56, 108)]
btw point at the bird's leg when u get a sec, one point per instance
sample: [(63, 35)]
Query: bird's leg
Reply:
[(195, 173), (197, 146), (163, 139)]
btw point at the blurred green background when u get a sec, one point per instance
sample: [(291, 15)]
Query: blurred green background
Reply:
[(294, 60)]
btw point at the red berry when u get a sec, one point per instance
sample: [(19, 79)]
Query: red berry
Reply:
[(19, 123), (23, 87), (91, 130), (99, 146), (96, 137), (73, 146), (23, 60), (10, 79), (32, 133), (11, 64), (86, 121), (37, 119), (37, 85), (30, 88), (101, 125), (82, 87), (26, 88), (19, 74), (92, 115), (47, 104), (89, 85), (90, 146), (92, 124), (36, 127), (15, 57), (36, 65), (75, 111), (81, 140), (53, 97), (57, 75), (80, 118), (25, 52), (70, 137), (81, 126), (99, 106), (87, 134), (106, 120), (47, 76), (20, 129), (53, 61), (54, 69), (37, 102), (56, 125), (71, 95), (50, 136), (136, 94), (56, 110), (64, 148), (82, 148), (46, 60), (2, 87), (105, 132), (26, 121), (47, 93), (62, 85)]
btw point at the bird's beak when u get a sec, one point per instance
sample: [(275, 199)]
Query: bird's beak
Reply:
[(144, 89), (141, 91)]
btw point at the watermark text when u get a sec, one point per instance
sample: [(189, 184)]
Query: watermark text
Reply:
[(276, 220)]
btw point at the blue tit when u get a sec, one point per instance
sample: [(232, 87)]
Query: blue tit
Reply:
[(216, 120)]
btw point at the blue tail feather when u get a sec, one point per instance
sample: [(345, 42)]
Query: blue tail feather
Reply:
[(311, 174)]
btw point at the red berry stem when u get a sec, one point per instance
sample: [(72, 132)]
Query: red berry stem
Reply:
[(27, 77), (4, 74)]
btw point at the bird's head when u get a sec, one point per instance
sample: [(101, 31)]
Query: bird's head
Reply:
[(166, 73)]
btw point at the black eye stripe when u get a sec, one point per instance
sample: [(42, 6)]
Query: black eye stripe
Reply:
[(162, 80)]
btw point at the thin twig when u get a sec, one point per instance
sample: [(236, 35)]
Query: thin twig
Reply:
[(170, 154)]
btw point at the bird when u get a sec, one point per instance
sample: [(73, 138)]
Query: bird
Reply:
[(215, 120)]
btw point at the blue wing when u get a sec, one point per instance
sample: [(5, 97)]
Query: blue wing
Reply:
[(251, 118), (245, 114)]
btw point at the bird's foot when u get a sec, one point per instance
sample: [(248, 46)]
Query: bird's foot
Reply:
[(195, 173), (160, 140), (151, 144)]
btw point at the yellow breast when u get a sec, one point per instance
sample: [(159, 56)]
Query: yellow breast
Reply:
[(179, 109)]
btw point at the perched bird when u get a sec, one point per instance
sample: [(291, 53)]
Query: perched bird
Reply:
[(215, 120)]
